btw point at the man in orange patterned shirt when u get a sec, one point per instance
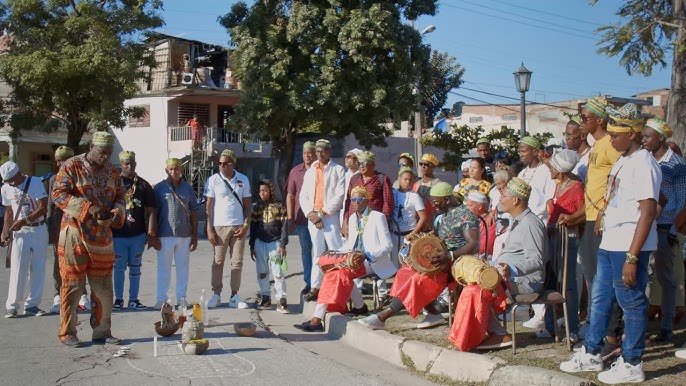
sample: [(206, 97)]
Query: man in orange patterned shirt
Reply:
[(90, 192)]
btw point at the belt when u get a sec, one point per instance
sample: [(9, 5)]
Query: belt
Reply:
[(35, 224), (401, 233)]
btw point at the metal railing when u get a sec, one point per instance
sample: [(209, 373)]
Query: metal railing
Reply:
[(217, 134)]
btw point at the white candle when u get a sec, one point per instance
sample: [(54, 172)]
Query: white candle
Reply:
[(154, 345)]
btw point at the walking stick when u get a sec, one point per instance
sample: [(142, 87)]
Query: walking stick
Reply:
[(565, 258)]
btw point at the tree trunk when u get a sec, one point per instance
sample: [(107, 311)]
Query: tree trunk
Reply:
[(285, 146), (676, 106), (75, 134)]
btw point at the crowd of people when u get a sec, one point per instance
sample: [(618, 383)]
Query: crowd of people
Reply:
[(614, 197)]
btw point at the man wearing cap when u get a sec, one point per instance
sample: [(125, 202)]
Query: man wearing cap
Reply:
[(321, 199), (483, 148), (459, 229), (26, 203), (90, 192), (477, 203), (576, 140), (351, 169), (228, 219), (54, 220), (129, 241), (665, 260), (404, 160), (629, 237), (377, 184), (296, 218), (427, 164)]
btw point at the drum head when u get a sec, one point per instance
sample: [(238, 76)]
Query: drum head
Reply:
[(489, 278), (421, 252)]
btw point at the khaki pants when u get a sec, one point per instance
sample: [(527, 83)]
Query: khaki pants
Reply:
[(235, 247)]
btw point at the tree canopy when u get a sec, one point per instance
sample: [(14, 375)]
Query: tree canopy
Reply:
[(446, 75), (73, 63)]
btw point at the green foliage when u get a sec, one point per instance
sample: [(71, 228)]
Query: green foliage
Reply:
[(73, 63), (446, 74)]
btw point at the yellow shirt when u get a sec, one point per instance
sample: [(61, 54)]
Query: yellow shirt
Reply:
[(600, 162)]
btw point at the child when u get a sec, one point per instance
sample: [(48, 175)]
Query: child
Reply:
[(268, 239)]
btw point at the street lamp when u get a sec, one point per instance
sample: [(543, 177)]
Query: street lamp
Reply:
[(418, 113), (522, 81)]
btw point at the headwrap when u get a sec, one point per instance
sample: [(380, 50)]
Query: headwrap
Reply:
[(519, 188), (430, 158), (360, 189), (624, 119), (408, 156), (405, 169), (366, 156), (576, 118), (482, 140), (127, 156), (64, 152), (660, 126), (476, 196), (355, 152), (597, 106), (102, 138), (564, 160), (466, 164), (531, 141), (229, 153), (173, 162), (323, 143), (309, 145), (8, 170), (441, 189)]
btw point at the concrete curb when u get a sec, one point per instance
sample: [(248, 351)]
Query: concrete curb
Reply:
[(535, 376)]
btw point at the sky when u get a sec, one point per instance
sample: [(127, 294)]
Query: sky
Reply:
[(555, 39)]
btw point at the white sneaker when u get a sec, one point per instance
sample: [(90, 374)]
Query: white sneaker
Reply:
[(55, 309), (680, 354), (373, 322), (534, 324), (84, 303), (622, 372), (236, 302), (182, 304), (431, 320), (158, 305), (582, 361), (215, 301), (543, 333)]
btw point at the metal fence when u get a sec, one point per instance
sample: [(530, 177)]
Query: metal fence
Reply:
[(218, 134)]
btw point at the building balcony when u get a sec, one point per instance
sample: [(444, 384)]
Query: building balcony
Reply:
[(180, 140)]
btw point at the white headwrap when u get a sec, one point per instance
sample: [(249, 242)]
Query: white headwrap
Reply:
[(564, 160), (477, 196)]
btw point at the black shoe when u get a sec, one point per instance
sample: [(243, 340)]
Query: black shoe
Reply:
[(107, 340), (305, 290), (441, 306), (307, 327), (137, 305), (312, 295), (364, 310), (265, 303), (660, 338), (118, 304)]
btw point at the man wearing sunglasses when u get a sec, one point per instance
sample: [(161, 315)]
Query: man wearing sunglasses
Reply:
[(427, 164)]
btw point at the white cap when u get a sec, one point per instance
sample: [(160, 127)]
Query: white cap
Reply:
[(356, 152), (477, 196), (466, 164), (8, 170)]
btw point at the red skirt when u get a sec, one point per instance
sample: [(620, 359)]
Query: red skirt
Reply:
[(472, 314), (415, 291), (337, 284)]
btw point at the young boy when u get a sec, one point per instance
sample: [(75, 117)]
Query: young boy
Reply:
[(268, 239)]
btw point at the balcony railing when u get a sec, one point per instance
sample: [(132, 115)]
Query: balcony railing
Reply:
[(218, 134)]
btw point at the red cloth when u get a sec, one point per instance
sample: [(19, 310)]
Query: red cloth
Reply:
[(483, 239), (415, 291), (471, 316), (196, 130), (569, 202), (337, 284)]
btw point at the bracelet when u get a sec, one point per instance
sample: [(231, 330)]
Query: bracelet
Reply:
[(245, 225), (631, 258)]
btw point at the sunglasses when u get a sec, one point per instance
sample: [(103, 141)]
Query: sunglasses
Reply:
[(225, 163), (436, 202), (357, 199), (425, 164), (364, 164)]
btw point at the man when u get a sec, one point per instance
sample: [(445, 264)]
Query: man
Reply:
[(129, 241), (296, 218), (196, 132), (351, 169), (377, 184), (629, 237), (477, 203), (24, 231), (459, 229), (483, 149), (575, 140), (228, 208), (372, 243), (404, 160), (427, 164), (673, 168), (54, 221), (177, 230), (321, 199), (90, 192)]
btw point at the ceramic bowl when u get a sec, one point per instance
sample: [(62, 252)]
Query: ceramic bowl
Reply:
[(169, 331), (245, 329)]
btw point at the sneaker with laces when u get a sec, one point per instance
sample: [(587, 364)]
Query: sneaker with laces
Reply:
[(158, 305), (237, 302), (118, 304), (56, 304), (265, 303), (84, 303), (582, 361), (215, 301), (182, 304), (282, 307), (11, 313), (431, 320), (373, 322), (137, 305), (33, 311), (681, 354), (534, 324), (622, 372)]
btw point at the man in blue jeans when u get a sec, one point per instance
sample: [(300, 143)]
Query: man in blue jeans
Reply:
[(129, 241), (296, 218), (629, 236)]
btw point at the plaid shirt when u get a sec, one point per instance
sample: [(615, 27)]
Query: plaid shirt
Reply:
[(673, 186), (380, 194)]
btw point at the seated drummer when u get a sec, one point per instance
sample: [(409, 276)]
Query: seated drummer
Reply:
[(521, 262), (459, 229), (370, 238), (478, 204)]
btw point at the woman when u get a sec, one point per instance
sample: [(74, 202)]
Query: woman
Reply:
[(568, 199), (475, 181), (409, 216)]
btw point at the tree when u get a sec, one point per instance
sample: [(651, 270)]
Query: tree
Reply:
[(73, 63), (446, 75), (648, 30), (344, 66)]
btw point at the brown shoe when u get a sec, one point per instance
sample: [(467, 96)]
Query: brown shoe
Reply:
[(495, 342), (312, 295), (71, 341)]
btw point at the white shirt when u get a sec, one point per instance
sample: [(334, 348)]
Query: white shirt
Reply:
[(334, 191), (542, 189), (228, 211), (582, 166), (376, 241), (632, 179), (12, 194), (405, 208)]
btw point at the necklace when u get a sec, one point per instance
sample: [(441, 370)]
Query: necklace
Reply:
[(360, 230)]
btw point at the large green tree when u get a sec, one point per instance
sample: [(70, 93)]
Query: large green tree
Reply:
[(72, 63), (345, 66), (647, 33), (446, 75)]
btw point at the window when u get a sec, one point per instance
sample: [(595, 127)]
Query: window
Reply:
[(476, 119), (143, 121), (187, 110)]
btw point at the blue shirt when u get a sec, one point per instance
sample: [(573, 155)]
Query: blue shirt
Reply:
[(673, 186), (173, 217)]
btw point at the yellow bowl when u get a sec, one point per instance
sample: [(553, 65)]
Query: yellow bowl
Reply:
[(245, 329)]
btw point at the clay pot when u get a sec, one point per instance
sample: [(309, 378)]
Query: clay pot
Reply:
[(166, 331), (195, 347), (245, 329)]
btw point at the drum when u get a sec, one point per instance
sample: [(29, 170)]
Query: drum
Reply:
[(422, 249), (472, 270), (337, 260)]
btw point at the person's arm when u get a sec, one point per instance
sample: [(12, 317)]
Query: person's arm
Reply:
[(422, 219), (119, 207), (647, 209), (533, 247), (335, 204), (387, 198), (307, 191), (384, 245), (472, 237), (283, 240), (9, 215), (63, 196)]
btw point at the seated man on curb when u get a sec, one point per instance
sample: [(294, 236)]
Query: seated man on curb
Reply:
[(459, 229), (371, 242)]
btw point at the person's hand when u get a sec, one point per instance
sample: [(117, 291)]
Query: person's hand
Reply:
[(504, 270), (214, 238), (359, 258), (408, 237), (490, 219), (564, 220), (18, 224), (291, 226), (319, 225), (252, 254), (344, 229), (314, 217), (4, 239), (597, 229), (241, 231), (282, 252), (194, 243), (117, 216), (154, 242), (442, 258), (629, 274)]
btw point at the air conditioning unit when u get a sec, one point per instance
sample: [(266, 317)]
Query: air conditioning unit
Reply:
[(187, 78)]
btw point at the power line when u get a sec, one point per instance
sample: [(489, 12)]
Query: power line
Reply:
[(567, 17), (482, 101), (533, 90), (516, 99)]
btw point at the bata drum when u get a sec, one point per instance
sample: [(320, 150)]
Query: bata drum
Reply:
[(472, 270)]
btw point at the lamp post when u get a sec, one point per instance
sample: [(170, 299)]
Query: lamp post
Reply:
[(418, 112), (522, 81)]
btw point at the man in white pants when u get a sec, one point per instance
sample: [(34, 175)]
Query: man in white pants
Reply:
[(29, 240), (321, 200), (177, 231)]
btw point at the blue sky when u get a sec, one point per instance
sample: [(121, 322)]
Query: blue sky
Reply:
[(554, 38)]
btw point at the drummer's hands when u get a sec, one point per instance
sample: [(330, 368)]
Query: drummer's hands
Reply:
[(444, 258), (359, 258), (504, 270)]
